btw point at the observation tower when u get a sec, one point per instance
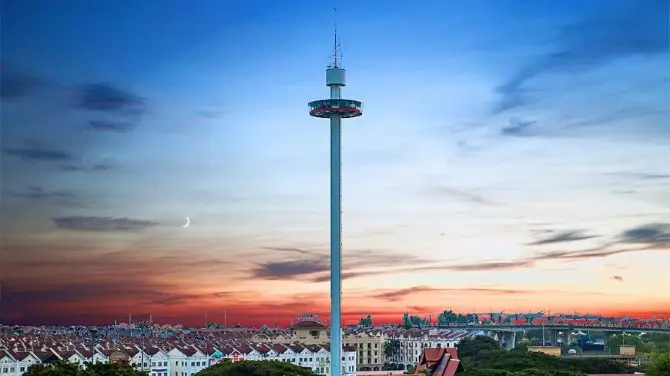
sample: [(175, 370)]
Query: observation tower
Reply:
[(335, 109)]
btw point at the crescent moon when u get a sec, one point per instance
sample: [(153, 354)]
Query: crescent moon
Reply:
[(188, 222)]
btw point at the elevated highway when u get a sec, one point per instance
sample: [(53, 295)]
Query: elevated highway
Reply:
[(559, 327)]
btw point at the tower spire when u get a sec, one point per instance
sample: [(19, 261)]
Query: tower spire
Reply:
[(337, 51)]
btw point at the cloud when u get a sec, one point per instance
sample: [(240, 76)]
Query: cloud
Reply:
[(517, 127), (617, 278), (33, 150), (15, 84), (468, 195), (41, 194), (290, 269), (212, 114), (486, 266), (564, 237), (125, 108), (402, 294), (314, 265), (396, 295), (39, 280), (592, 42), (111, 126), (653, 233), (107, 98), (654, 236), (93, 168), (101, 223)]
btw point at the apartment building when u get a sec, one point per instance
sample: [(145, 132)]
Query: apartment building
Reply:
[(369, 345)]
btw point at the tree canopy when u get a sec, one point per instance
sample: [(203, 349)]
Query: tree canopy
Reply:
[(647, 343), (62, 368), (365, 321), (660, 365), (482, 356), (412, 321), (448, 317), (256, 368)]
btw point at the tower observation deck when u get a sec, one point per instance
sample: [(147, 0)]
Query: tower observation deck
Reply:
[(336, 108)]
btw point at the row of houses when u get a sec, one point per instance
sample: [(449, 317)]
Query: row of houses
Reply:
[(371, 343), (369, 347), (178, 361)]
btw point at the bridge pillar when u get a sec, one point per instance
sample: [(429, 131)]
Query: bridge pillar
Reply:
[(510, 340), (553, 337)]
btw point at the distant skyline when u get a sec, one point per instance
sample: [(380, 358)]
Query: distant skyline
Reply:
[(512, 156)]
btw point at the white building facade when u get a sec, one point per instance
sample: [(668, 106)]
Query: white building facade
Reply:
[(188, 360)]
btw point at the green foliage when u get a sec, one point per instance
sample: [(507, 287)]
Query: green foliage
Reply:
[(482, 356), (448, 317), (526, 372), (660, 365), (61, 368), (648, 343), (256, 368), (391, 348), (365, 321), (595, 366), (406, 323)]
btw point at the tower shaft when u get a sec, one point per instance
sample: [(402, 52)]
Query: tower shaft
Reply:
[(335, 238)]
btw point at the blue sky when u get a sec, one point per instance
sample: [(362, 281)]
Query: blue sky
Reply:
[(504, 144)]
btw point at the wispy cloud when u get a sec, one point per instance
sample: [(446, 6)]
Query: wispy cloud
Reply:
[(101, 223), (403, 294), (564, 237), (592, 42), (314, 265), (653, 233), (41, 194), (107, 98), (111, 126), (93, 168), (15, 84), (33, 150), (518, 127)]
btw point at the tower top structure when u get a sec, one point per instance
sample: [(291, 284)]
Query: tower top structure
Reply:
[(336, 61), (335, 74)]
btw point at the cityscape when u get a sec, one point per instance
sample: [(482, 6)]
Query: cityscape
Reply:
[(165, 215)]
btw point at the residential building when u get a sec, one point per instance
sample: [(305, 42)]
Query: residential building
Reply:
[(369, 345)]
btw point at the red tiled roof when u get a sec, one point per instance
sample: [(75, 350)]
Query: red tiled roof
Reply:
[(188, 351), (444, 361), (4, 353), (152, 351), (309, 324), (19, 355)]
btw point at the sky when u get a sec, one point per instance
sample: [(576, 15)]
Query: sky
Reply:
[(512, 156)]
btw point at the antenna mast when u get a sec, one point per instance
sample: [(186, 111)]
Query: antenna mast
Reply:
[(337, 51)]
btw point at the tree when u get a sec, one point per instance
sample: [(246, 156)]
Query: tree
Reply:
[(406, 323), (256, 368), (472, 347), (61, 368), (417, 321), (365, 321), (446, 317), (660, 365), (391, 348)]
